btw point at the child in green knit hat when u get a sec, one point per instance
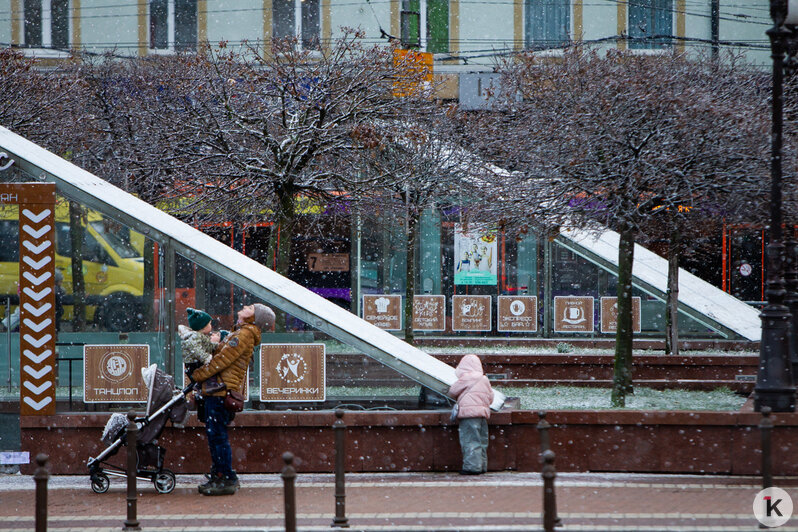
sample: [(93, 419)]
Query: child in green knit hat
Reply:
[(196, 342)]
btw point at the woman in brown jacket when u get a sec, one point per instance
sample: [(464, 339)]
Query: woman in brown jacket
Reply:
[(230, 362)]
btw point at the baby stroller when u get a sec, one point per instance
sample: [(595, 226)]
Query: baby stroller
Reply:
[(163, 402)]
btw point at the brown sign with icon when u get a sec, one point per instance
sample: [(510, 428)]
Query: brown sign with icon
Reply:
[(112, 373), (517, 314), (384, 311), (471, 313), (35, 204), (292, 372), (573, 314), (328, 262), (429, 313), (609, 314)]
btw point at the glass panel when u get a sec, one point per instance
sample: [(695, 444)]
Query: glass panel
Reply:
[(648, 18), (283, 21), (33, 22), (310, 24), (60, 23), (548, 23), (159, 28), (573, 275), (438, 26), (185, 25)]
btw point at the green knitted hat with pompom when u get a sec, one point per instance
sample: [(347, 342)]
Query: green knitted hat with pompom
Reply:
[(197, 319)]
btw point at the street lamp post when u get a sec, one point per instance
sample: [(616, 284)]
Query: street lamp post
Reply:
[(774, 384)]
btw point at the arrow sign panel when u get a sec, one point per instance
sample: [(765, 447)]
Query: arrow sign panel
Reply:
[(37, 297)]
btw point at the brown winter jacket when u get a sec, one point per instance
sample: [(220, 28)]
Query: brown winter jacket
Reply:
[(231, 358)]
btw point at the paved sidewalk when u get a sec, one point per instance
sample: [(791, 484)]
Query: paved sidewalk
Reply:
[(405, 501)]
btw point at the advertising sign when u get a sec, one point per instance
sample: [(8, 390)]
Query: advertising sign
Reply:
[(471, 313), (292, 372), (328, 262), (112, 373), (609, 314), (573, 314), (517, 314), (429, 313), (474, 255), (384, 311)]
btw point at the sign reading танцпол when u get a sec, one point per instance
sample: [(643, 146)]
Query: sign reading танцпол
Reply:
[(112, 373)]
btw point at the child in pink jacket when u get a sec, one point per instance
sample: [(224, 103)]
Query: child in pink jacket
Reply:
[(474, 395)]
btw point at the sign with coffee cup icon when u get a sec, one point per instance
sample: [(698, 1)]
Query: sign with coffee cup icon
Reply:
[(517, 314), (573, 314), (609, 314), (112, 373)]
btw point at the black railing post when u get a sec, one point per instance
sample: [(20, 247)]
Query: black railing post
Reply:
[(549, 501), (289, 475), (41, 476), (339, 427), (543, 427), (131, 523)]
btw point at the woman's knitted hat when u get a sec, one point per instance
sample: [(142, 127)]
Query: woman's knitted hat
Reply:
[(197, 319)]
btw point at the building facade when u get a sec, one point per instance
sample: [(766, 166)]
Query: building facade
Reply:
[(464, 36)]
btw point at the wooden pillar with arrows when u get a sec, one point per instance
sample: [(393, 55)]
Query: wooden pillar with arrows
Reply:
[(37, 332)]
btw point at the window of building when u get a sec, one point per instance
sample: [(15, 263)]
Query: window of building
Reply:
[(173, 25), (430, 14), (297, 18), (46, 23), (648, 19), (547, 23)]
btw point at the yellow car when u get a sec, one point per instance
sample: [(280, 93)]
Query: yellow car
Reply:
[(113, 269)]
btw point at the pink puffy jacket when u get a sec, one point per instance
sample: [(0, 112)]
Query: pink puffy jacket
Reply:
[(471, 389)]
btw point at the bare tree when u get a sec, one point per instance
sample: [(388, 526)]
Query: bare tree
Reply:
[(412, 168), (260, 130), (617, 140)]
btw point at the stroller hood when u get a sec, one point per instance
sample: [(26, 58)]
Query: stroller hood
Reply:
[(161, 390)]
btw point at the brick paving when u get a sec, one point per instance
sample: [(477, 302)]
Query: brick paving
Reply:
[(405, 501)]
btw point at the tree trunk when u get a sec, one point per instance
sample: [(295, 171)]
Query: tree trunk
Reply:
[(280, 242), (410, 273), (672, 300), (622, 378), (78, 284)]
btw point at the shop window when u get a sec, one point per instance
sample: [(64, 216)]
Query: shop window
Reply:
[(433, 15), (297, 18), (648, 19), (173, 25), (46, 23), (547, 23)]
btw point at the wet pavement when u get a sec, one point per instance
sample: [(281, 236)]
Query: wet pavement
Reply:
[(405, 501)]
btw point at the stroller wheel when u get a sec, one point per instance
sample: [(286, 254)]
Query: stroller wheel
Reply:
[(100, 483), (164, 481)]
